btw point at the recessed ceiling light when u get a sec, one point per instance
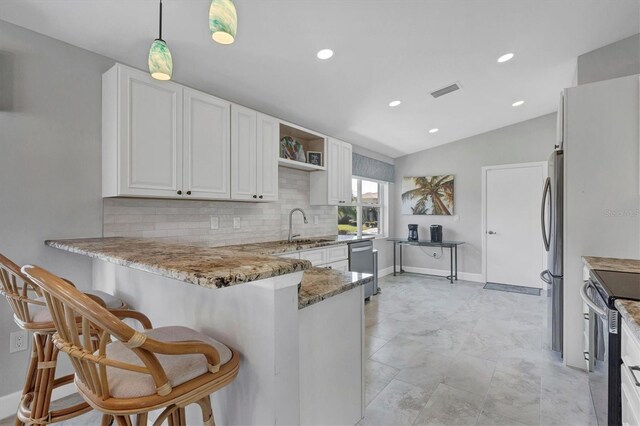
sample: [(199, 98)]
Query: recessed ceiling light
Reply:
[(325, 54), (434, 130), (517, 103), (505, 57), (394, 103)]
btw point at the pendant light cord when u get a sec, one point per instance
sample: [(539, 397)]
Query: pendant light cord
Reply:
[(160, 29)]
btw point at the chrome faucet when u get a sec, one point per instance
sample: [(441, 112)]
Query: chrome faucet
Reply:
[(304, 216)]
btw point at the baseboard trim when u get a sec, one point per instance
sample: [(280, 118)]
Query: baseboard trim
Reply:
[(466, 276), (9, 403), (384, 272)]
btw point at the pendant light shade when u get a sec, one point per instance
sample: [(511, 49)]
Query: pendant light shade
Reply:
[(223, 21), (160, 61)]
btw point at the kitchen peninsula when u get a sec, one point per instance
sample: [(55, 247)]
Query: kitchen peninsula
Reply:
[(298, 328)]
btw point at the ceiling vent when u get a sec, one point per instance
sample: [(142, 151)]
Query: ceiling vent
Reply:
[(446, 90)]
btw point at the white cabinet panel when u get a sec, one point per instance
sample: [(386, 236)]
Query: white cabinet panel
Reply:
[(342, 265), (333, 186), (333, 170), (150, 135), (243, 154), (336, 253), (268, 146), (346, 152), (207, 148), (290, 255), (316, 257)]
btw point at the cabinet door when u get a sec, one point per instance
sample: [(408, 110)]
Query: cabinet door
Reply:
[(268, 146), (334, 190), (207, 146), (243, 154), (346, 167), (150, 116)]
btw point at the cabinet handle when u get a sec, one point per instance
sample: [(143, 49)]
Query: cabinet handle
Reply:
[(255, 196), (179, 192), (260, 197), (188, 192)]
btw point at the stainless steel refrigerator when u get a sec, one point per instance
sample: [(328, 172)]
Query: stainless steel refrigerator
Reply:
[(551, 215)]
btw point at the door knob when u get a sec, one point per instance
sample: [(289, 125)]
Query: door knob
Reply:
[(491, 233), (179, 192), (255, 196), (260, 197), (188, 192)]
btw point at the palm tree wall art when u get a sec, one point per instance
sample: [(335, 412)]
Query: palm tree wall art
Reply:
[(428, 195)]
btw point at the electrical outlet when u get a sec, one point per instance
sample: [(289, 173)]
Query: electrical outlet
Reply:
[(18, 341), (315, 219), (236, 223), (214, 222)]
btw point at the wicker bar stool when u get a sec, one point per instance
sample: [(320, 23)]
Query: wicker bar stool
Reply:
[(132, 372), (31, 314)]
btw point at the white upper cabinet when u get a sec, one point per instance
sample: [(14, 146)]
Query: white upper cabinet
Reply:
[(161, 139), (254, 155), (141, 135), (268, 148), (333, 186), (207, 147)]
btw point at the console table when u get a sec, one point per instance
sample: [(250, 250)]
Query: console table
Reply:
[(451, 245)]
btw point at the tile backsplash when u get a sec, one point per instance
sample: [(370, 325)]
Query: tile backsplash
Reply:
[(190, 220)]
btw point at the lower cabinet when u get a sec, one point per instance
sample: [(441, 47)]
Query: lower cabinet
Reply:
[(630, 377), (333, 257)]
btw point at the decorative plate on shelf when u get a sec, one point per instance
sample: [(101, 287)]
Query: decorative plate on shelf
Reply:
[(291, 149)]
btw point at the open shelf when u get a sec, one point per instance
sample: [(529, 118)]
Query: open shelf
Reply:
[(292, 164), (309, 140)]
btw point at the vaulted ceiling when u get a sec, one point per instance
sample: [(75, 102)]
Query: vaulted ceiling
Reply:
[(384, 50)]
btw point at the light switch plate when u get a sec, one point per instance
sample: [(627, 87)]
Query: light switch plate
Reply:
[(215, 222), (315, 219), (236, 223)]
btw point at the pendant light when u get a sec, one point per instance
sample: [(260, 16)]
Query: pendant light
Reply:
[(223, 21), (160, 62)]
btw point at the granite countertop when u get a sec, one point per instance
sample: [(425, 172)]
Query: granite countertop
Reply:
[(212, 267), (319, 284), (216, 267), (630, 311), (281, 247), (612, 264)]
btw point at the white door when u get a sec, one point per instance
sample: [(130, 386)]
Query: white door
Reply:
[(346, 152), (243, 154), (150, 135), (334, 166), (268, 147), (207, 146), (514, 250)]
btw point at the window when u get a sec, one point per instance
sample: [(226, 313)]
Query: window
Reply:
[(365, 215)]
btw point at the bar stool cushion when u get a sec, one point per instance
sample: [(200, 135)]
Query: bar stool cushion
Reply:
[(179, 368), (42, 314)]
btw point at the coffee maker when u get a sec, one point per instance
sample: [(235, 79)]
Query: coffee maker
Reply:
[(436, 233), (413, 232)]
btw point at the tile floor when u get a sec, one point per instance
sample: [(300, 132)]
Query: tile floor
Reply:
[(442, 354)]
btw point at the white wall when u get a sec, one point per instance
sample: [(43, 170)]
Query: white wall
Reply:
[(614, 60), (50, 123), (531, 140)]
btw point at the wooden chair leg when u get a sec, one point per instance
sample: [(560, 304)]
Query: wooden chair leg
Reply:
[(141, 419), (123, 420), (207, 411), (29, 380), (107, 420)]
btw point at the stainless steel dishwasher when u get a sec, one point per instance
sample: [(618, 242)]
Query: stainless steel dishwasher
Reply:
[(361, 260)]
